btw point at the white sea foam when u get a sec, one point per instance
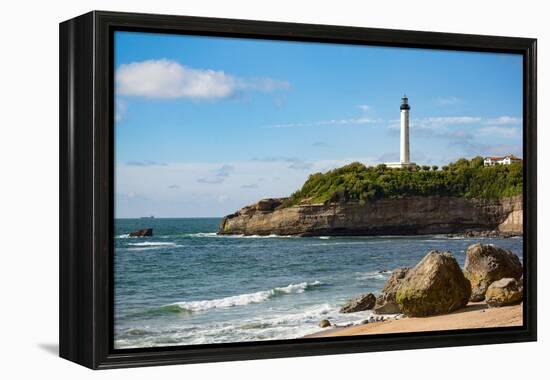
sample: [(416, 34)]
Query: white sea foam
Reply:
[(339, 243), (271, 236), (238, 236), (242, 299), (372, 275), (202, 234), (281, 324), (152, 244)]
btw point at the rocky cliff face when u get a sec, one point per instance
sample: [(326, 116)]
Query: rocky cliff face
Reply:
[(403, 216)]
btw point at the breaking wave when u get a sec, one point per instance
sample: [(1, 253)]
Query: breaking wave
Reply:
[(241, 299)]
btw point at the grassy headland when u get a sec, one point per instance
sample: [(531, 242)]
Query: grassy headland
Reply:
[(359, 183)]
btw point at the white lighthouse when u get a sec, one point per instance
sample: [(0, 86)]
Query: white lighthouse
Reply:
[(405, 157)]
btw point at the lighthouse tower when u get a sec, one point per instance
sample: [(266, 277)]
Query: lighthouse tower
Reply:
[(405, 157), (405, 154)]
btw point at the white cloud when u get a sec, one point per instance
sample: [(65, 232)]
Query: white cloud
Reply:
[(494, 130), (301, 165), (364, 107), (213, 180), (250, 186), (145, 163), (219, 176), (200, 193), (504, 120), (169, 79), (463, 130), (319, 123), (451, 120), (464, 120)]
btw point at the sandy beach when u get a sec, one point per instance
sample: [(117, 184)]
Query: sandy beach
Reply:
[(474, 315)]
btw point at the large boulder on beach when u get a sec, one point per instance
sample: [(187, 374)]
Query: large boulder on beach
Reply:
[(324, 323), (504, 292), (385, 302), (436, 285), (142, 233), (487, 263), (361, 303)]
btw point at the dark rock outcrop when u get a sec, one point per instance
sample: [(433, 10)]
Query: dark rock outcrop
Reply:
[(504, 292), (361, 303), (268, 204), (391, 216), (485, 264), (324, 323), (142, 233), (436, 285), (386, 303), (387, 308)]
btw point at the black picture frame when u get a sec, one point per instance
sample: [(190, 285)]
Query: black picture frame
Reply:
[(86, 188)]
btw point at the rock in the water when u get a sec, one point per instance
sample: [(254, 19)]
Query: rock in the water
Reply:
[(361, 303), (504, 292), (485, 264), (436, 285), (385, 303), (142, 233), (324, 323)]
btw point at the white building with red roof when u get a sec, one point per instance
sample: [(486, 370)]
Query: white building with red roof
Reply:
[(505, 160)]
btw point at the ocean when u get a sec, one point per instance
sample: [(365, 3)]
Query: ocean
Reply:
[(186, 285)]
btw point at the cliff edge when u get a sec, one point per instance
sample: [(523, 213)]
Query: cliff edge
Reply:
[(412, 215)]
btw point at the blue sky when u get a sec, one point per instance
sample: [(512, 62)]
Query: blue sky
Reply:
[(206, 125)]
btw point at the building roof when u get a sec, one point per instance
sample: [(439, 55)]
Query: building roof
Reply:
[(511, 156)]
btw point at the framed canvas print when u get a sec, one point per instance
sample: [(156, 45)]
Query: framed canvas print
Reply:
[(236, 189)]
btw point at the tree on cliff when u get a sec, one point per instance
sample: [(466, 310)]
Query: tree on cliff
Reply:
[(359, 183)]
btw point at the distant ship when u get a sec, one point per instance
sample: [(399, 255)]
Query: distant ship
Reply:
[(148, 217)]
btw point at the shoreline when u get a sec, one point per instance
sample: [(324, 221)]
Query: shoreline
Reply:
[(475, 315), (465, 235)]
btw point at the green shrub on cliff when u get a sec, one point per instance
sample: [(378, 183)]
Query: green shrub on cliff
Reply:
[(359, 183)]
